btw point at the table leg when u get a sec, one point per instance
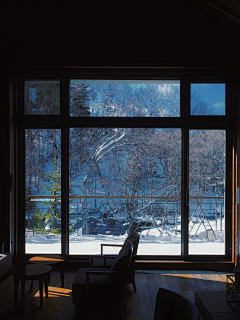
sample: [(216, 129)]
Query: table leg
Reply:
[(46, 284), (41, 291), (15, 291), (23, 287), (62, 277), (31, 284)]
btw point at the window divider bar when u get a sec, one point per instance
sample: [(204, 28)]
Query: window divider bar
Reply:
[(20, 196), (185, 113), (185, 192), (64, 107)]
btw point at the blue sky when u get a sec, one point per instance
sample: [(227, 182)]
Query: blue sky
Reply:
[(211, 93)]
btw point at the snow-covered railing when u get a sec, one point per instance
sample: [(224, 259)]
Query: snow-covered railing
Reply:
[(118, 214)]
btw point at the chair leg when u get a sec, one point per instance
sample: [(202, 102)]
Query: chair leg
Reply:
[(125, 308), (134, 285), (123, 300), (78, 312)]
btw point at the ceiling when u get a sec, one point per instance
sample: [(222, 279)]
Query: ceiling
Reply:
[(165, 33), (228, 11)]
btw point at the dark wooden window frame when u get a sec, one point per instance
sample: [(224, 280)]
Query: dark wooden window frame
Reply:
[(184, 122)]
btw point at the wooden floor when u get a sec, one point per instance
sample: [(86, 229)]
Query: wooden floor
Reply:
[(141, 303)]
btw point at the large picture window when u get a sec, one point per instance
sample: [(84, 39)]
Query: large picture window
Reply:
[(103, 157), (122, 178)]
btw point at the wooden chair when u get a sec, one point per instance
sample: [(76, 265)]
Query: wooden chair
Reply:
[(95, 285), (106, 260), (171, 306)]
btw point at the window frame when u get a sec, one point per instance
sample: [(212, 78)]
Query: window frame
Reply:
[(185, 122)]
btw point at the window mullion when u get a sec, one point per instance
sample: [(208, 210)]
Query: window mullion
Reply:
[(185, 111), (64, 100)]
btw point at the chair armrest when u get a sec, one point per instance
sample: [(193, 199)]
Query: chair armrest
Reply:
[(105, 257), (98, 272), (101, 272), (109, 245)]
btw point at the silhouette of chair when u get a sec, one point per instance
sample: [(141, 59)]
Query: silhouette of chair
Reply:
[(172, 306), (106, 260), (99, 285)]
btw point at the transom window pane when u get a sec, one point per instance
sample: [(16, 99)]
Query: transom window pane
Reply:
[(122, 179), (208, 99), (42, 98), (124, 98)]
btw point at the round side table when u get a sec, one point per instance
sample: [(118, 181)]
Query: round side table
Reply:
[(31, 272), (50, 260)]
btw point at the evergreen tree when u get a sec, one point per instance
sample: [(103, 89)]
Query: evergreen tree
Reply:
[(54, 189)]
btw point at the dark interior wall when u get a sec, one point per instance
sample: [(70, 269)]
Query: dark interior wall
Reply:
[(172, 33), (4, 130), (237, 226), (60, 33)]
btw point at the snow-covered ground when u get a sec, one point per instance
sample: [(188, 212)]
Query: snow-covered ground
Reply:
[(151, 243)]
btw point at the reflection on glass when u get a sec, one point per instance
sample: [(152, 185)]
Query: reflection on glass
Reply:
[(122, 179), (207, 99), (124, 98), (42, 98), (206, 192), (43, 190)]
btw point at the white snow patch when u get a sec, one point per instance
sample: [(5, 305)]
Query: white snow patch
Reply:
[(150, 244)]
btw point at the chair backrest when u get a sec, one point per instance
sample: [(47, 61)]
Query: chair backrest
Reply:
[(123, 259), (136, 236), (170, 305), (133, 237)]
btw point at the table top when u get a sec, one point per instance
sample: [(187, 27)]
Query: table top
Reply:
[(31, 270), (47, 259)]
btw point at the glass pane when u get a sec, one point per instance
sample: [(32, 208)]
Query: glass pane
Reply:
[(43, 190), (207, 99), (42, 98), (123, 179), (122, 98), (207, 191)]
